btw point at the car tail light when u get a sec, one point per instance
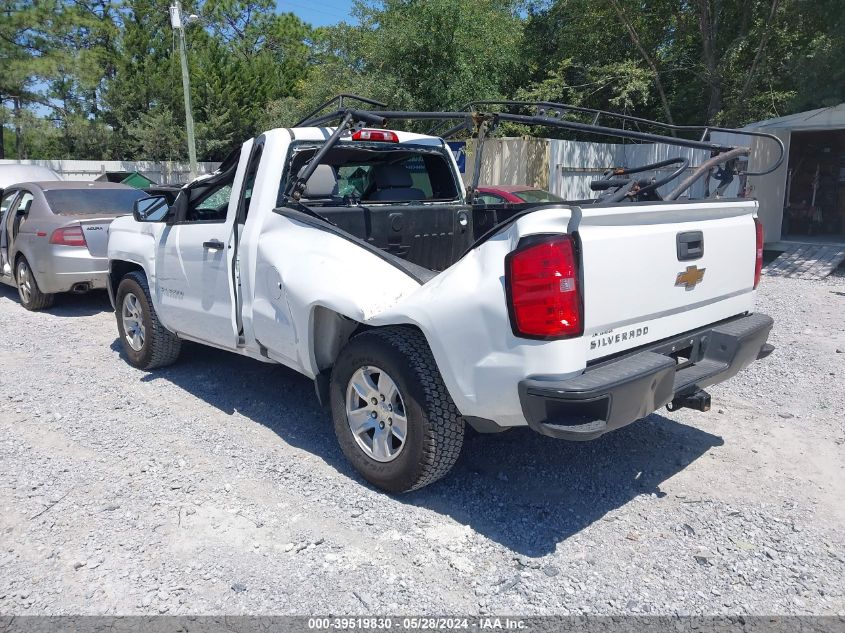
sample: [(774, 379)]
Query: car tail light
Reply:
[(758, 263), (544, 300), (384, 136), (68, 236)]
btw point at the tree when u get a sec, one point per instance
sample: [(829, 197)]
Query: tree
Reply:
[(99, 78), (145, 85), (602, 54), (710, 61), (77, 56), (431, 55), (242, 55), (236, 74), (26, 54)]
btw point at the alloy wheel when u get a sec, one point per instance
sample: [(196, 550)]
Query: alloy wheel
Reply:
[(375, 411), (133, 322), (24, 281)]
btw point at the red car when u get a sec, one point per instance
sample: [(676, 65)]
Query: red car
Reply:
[(515, 194)]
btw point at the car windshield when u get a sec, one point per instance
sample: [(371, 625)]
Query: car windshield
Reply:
[(92, 201), (537, 195)]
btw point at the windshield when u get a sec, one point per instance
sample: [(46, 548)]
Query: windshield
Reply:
[(92, 201), (537, 195), (378, 173)]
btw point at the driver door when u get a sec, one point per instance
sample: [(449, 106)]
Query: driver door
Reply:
[(193, 272)]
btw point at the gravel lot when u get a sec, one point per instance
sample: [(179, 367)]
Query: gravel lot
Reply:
[(216, 487)]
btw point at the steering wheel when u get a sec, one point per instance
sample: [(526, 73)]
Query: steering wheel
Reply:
[(633, 187)]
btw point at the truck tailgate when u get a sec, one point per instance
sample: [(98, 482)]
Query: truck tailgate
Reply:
[(646, 262)]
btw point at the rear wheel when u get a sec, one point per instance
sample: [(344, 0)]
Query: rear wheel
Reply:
[(147, 343), (30, 294), (393, 416)]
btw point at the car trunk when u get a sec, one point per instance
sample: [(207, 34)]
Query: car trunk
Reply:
[(650, 263), (96, 232)]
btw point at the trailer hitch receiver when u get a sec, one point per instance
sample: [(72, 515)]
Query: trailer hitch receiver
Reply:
[(698, 400)]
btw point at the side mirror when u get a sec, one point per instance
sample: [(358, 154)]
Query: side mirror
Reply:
[(150, 209)]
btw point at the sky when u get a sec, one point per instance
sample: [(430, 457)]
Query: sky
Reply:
[(317, 12)]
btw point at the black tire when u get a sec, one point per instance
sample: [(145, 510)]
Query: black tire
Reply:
[(160, 347), (36, 300), (435, 428)]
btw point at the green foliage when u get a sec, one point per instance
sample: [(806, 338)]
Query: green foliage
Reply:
[(156, 135), (101, 78), (719, 62), (437, 54), (106, 73), (624, 86)]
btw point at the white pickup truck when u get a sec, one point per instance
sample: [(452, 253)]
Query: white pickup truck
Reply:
[(354, 256)]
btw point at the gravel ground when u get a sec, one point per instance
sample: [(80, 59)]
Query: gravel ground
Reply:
[(216, 487)]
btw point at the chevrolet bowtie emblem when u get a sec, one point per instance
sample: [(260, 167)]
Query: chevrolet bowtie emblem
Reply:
[(690, 278)]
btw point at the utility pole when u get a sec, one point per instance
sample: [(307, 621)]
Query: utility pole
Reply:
[(179, 21)]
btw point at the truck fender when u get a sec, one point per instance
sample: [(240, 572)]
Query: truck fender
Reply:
[(132, 247), (118, 269)]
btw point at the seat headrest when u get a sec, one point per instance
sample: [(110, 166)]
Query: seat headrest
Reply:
[(392, 177), (321, 184)]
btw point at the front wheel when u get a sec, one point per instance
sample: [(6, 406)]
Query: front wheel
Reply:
[(147, 343), (30, 294), (393, 417)]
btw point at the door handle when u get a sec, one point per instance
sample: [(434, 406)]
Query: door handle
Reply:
[(213, 244), (690, 245)]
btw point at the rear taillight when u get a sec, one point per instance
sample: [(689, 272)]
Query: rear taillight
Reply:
[(758, 263), (68, 236), (384, 136), (542, 285)]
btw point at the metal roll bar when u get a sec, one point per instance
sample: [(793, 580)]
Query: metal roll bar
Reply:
[(559, 109), (546, 114)]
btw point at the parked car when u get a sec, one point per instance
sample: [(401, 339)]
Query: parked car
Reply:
[(10, 174), (54, 236), (350, 255), (515, 194)]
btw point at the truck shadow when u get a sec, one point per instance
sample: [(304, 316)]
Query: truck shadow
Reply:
[(530, 492), (67, 304), (520, 489)]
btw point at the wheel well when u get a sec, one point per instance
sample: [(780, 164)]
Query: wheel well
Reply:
[(331, 331), (18, 257), (118, 270)]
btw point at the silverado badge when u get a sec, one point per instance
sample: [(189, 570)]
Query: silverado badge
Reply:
[(690, 277)]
